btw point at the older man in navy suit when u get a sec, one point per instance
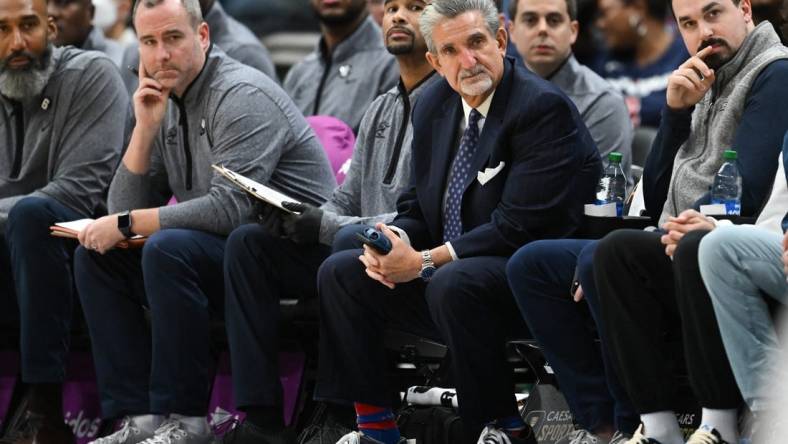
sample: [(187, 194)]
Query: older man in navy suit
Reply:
[(501, 158)]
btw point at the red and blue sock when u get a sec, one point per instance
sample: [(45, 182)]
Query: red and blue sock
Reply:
[(512, 425), (377, 423)]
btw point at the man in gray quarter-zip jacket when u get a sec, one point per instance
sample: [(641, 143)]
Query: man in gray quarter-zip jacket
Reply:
[(63, 116), (194, 107), (74, 27), (232, 36), (347, 70), (261, 267)]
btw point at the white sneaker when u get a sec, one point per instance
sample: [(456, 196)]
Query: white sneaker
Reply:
[(638, 438), (706, 435), (581, 436), (619, 438), (171, 431), (129, 433)]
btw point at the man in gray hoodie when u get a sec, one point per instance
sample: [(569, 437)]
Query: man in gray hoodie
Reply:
[(195, 107), (349, 67), (261, 267), (63, 113), (74, 21)]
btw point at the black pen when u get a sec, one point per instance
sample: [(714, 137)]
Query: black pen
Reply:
[(134, 70)]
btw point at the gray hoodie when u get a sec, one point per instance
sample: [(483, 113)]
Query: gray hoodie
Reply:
[(235, 116), (73, 133), (380, 168)]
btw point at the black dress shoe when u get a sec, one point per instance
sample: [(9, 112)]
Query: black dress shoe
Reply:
[(38, 429), (248, 433)]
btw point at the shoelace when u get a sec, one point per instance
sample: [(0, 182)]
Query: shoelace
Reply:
[(493, 436), (127, 428), (619, 438), (582, 436), (166, 432), (703, 437)]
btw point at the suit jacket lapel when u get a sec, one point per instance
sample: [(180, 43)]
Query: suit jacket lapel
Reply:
[(444, 137), (492, 124)]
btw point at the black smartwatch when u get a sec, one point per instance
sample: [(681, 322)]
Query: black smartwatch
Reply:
[(124, 224)]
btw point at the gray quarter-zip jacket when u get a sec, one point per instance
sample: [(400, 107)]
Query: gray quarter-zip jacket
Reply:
[(380, 168), (235, 116), (71, 135), (344, 83)]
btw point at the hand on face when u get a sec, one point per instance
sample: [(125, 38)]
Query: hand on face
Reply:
[(690, 82), (150, 101), (677, 227), (401, 264), (102, 235)]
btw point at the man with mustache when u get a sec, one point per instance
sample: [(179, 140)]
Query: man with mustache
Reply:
[(543, 32), (63, 113), (349, 67), (500, 158), (728, 95), (74, 21), (262, 266), (195, 107)]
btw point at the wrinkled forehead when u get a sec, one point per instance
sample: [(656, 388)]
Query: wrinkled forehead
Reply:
[(17, 9)]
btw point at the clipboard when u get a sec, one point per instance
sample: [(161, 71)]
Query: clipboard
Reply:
[(71, 230), (256, 189)]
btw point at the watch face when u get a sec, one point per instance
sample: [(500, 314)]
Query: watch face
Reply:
[(427, 272)]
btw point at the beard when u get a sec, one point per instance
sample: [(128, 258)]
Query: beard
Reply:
[(480, 86), (353, 11), (716, 60), (27, 82)]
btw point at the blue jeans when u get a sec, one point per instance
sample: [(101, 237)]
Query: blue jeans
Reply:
[(740, 266), (540, 275), (163, 367), (40, 276)]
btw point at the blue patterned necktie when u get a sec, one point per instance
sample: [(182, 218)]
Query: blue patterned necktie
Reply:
[(460, 169)]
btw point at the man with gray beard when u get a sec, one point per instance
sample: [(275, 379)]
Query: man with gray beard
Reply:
[(62, 121)]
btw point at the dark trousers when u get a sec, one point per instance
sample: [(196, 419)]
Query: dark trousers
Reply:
[(163, 367), (259, 270), (467, 304), (37, 269), (646, 299), (540, 274)]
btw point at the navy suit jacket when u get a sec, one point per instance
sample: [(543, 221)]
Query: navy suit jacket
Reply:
[(551, 168)]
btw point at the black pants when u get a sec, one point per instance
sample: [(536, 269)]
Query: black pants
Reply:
[(646, 299), (36, 267), (259, 270), (165, 367), (467, 304)]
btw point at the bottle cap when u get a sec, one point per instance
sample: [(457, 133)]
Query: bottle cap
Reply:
[(615, 157), (729, 155)]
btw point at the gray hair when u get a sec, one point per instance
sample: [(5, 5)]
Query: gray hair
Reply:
[(192, 8), (446, 9)]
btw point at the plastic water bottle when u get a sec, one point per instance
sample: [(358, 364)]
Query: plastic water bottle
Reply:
[(726, 189), (613, 184)]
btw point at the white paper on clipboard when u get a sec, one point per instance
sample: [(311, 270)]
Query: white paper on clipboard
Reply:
[(256, 189)]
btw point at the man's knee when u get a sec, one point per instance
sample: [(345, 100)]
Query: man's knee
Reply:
[(249, 239), (340, 267), (449, 292), (687, 248), (347, 239), (31, 216), (167, 248)]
